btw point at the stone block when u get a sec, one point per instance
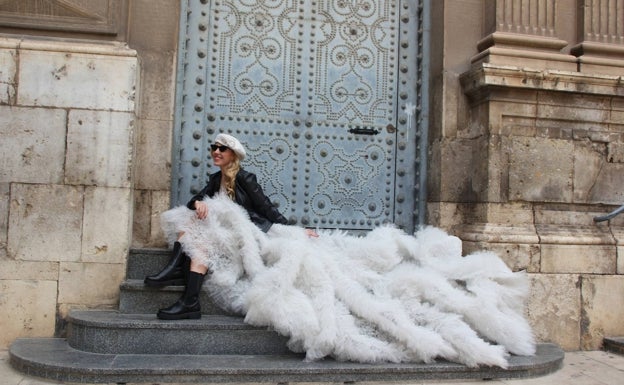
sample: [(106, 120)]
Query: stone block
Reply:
[(575, 235), (8, 68), (141, 218), (28, 309), (618, 234), (153, 167), (158, 85), (154, 24), (582, 259), (147, 231), (603, 309), (90, 284), (33, 142), (464, 175), (106, 225), (567, 215), (99, 148), (160, 203), (615, 153), (28, 270), (595, 179), (516, 255), (4, 217), (540, 170), (512, 214), (444, 215), (45, 222), (66, 79), (554, 309)]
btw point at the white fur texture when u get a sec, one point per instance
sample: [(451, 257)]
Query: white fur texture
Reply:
[(386, 296)]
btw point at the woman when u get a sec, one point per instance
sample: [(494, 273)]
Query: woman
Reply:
[(383, 297), (240, 186)]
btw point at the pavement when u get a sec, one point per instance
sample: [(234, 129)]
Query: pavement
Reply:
[(579, 368)]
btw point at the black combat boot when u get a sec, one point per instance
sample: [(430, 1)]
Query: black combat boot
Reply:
[(187, 307), (172, 274)]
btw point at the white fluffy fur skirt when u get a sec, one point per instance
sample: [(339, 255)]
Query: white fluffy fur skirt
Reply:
[(386, 296)]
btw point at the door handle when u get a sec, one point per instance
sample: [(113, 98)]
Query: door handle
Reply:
[(364, 131)]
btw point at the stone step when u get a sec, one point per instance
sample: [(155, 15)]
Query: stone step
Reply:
[(110, 332), (613, 344), (146, 261), (53, 358), (135, 298)]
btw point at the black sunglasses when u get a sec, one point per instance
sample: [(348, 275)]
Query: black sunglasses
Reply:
[(220, 147)]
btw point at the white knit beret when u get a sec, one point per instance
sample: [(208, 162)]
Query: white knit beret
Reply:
[(232, 143)]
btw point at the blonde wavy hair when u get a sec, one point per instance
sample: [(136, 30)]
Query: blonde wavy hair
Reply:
[(228, 177)]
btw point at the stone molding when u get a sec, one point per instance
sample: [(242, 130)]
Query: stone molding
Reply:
[(90, 16), (484, 76)]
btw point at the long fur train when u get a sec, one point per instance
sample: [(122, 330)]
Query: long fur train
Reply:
[(384, 297)]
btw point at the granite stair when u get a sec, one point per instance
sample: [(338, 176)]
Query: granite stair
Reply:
[(130, 345), (613, 344)]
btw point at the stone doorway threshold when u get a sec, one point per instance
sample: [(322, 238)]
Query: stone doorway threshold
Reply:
[(53, 358)]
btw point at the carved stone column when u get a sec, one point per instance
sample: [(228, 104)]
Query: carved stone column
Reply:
[(601, 33), (523, 33)]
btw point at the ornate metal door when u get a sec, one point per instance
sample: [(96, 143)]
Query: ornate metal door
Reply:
[(324, 94)]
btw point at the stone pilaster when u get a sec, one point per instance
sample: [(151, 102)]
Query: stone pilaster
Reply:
[(601, 32), (524, 33)]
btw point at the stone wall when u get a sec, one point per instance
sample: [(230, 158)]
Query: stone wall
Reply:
[(67, 123), (154, 35), (525, 152)]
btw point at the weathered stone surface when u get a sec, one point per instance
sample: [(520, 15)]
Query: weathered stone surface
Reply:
[(85, 79), (45, 222), (160, 203), (603, 309), (615, 152), (90, 284), (99, 148), (516, 255), (576, 235), (618, 234), (597, 180), (540, 170), (141, 218), (28, 309), (153, 168), (27, 270), (4, 217), (158, 85), (554, 308), (569, 215), (463, 176), (34, 144), (154, 25), (592, 259), (106, 225), (8, 69), (514, 214)]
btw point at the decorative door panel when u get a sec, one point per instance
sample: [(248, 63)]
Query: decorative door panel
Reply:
[(312, 90)]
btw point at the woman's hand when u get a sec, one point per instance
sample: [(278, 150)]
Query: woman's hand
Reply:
[(311, 233), (202, 209)]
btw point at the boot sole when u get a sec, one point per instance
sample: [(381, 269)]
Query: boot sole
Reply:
[(170, 317)]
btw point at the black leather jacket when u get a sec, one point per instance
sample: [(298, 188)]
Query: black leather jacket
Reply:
[(247, 193)]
